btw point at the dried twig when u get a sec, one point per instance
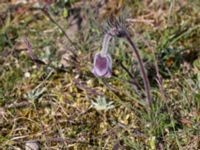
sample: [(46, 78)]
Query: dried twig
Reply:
[(31, 54), (133, 81), (45, 11), (159, 80)]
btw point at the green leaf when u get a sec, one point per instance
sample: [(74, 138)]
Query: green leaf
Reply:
[(65, 12)]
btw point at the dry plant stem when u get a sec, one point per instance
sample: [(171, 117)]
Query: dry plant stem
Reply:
[(45, 11), (159, 80), (34, 58), (142, 70)]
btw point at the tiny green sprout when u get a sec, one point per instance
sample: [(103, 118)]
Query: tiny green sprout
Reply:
[(35, 93), (102, 104)]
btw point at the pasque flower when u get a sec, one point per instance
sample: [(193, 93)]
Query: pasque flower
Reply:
[(102, 66), (103, 62)]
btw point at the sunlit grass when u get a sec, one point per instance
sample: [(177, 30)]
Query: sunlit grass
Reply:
[(63, 105)]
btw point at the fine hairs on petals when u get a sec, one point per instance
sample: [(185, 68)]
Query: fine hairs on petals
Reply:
[(102, 66)]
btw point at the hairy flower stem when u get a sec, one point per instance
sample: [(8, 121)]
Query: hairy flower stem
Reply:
[(105, 44), (123, 34), (142, 70)]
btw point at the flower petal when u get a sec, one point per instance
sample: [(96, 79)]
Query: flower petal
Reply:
[(102, 65)]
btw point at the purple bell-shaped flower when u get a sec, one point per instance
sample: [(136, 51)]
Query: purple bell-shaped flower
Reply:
[(102, 65), (102, 60)]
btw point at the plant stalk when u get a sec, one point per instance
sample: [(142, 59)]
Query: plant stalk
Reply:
[(142, 70), (105, 44)]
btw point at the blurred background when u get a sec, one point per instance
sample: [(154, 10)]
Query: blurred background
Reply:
[(49, 99)]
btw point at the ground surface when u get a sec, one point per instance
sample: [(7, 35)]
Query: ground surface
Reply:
[(50, 97)]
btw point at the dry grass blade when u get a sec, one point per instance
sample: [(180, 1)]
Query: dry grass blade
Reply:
[(31, 54)]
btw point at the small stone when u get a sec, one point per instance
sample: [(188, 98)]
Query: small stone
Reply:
[(27, 75), (32, 145)]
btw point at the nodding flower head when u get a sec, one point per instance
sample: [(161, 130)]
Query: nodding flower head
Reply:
[(102, 60), (117, 27), (102, 65)]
